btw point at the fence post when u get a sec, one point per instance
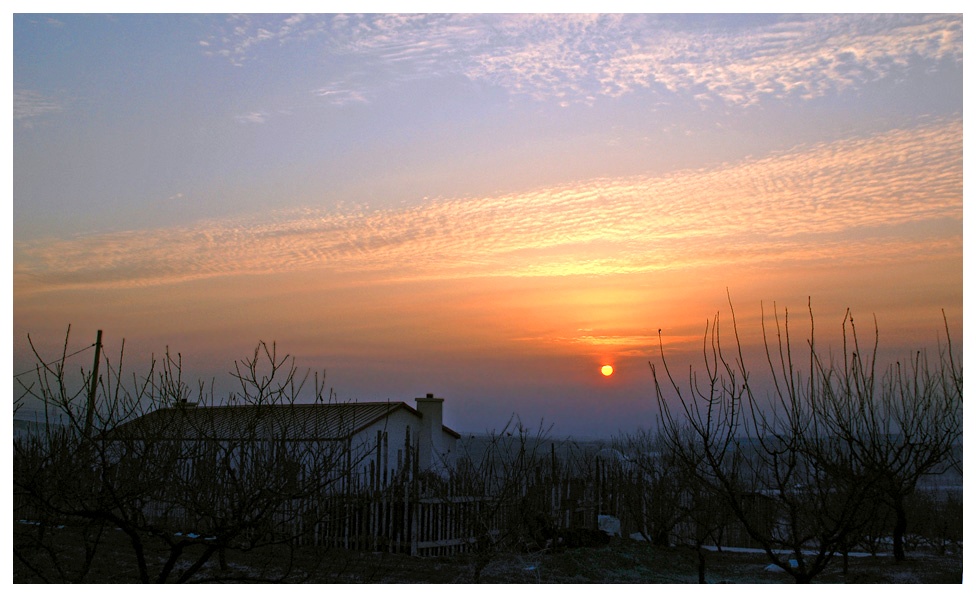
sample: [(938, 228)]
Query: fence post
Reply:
[(90, 413)]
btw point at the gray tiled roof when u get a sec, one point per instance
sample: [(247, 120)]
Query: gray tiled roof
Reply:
[(294, 422)]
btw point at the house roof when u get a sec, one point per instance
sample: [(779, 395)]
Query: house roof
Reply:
[(295, 422)]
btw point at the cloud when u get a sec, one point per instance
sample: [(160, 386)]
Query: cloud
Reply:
[(895, 196), (30, 105), (570, 59), (341, 97), (252, 118), (241, 35), (796, 56)]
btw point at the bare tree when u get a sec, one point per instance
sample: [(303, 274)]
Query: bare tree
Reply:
[(503, 474), (654, 487), (181, 483), (793, 493), (666, 500), (894, 428), (59, 480)]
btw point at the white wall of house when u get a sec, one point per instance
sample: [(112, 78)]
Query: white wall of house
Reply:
[(384, 443)]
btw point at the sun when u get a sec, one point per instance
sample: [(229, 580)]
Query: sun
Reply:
[(606, 370)]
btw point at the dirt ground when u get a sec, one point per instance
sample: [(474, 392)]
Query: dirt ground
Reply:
[(626, 561), (623, 561)]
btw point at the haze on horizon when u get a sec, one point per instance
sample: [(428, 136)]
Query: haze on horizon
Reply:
[(487, 207)]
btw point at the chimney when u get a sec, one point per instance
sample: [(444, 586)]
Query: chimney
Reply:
[(429, 439)]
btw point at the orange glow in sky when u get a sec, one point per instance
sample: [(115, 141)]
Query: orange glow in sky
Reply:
[(489, 205)]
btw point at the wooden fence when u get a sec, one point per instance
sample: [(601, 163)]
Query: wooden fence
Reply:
[(404, 510), (434, 517)]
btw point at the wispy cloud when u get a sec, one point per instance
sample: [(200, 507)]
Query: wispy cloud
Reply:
[(802, 56), (252, 118), (816, 204), (341, 97), (240, 35), (30, 105), (576, 58)]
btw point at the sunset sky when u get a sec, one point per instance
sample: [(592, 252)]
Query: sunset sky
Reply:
[(486, 207)]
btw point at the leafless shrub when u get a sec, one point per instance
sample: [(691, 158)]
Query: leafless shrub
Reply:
[(182, 484), (803, 467), (509, 516)]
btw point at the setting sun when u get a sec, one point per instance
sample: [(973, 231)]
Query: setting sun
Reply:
[(500, 265)]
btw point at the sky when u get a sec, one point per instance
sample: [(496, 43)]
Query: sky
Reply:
[(486, 207)]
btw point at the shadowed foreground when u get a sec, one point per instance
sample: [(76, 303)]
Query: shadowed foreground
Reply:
[(623, 561)]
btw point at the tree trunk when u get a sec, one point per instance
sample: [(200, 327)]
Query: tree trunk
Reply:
[(901, 525), (660, 536), (701, 565)]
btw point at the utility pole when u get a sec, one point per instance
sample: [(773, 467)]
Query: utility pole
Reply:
[(90, 414)]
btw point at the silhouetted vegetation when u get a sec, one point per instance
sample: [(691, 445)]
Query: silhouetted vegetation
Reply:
[(804, 471), (180, 489), (832, 461)]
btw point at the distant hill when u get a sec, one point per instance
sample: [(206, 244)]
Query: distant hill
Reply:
[(24, 427)]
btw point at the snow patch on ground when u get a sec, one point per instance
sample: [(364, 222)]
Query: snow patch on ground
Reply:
[(852, 554)]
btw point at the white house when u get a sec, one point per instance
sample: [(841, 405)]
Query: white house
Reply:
[(379, 440)]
